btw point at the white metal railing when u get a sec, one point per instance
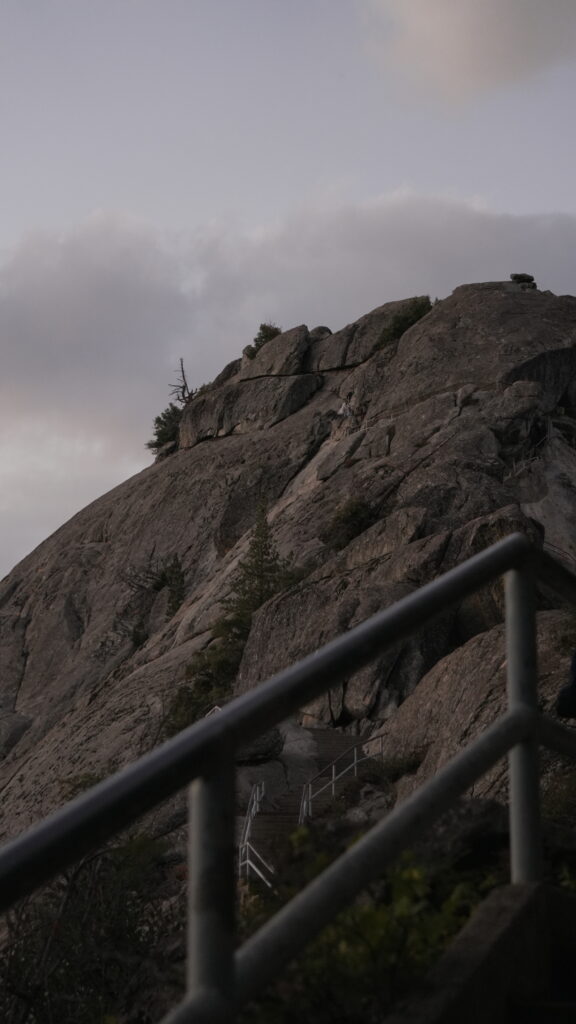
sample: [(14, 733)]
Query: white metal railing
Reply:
[(257, 794), (250, 861), (332, 773)]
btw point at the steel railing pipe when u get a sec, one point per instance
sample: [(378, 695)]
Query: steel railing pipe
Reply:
[(557, 737), (212, 885), (522, 678)]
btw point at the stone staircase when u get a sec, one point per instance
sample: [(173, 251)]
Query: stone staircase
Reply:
[(278, 817), (545, 1012)]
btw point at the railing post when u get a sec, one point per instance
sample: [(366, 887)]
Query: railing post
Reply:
[(211, 889), (525, 837), (333, 781), (355, 762)]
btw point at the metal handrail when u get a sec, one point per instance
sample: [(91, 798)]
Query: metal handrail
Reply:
[(345, 753), (257, 794), (309, 793), (218, 980), (246, 862)]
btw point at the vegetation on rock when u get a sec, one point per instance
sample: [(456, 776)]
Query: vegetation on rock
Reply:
[(166, 427), (351, 519), (266, 332), (80, 951), (145, 581), (377, 950), (400, 322), (211, 672)]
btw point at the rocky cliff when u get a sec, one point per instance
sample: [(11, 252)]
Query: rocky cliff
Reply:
[(385, 454)]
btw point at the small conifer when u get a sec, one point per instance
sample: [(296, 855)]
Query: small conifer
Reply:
[(166, 427)]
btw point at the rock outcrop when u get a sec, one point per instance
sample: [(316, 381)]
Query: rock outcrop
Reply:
[(385, 457)]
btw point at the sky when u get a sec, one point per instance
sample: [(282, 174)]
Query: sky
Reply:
[(175, 172)]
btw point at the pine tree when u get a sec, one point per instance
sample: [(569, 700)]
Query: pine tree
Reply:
[(210, 674), (260, 575), (166, 427)]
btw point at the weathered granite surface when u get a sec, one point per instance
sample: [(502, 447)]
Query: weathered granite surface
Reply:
[(453, 435), (462, 695)]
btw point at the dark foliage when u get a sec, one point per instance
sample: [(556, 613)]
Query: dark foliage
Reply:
[(145, 581), (166, 427), (79, 952), (401, 322), (266, 332), (374, 952), (351, 519), (211, 673)]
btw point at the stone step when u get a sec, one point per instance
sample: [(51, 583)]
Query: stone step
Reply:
[(544, 1012), (286, 803), (279, 816), (331, 744)]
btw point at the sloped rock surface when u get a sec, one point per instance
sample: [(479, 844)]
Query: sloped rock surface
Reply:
[(242, 409), (283, 356), (358, 341), (419, 452), (463, 694)]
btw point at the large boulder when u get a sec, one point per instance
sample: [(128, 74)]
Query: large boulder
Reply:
[(359, 341), (282, 356), (244, 408), (460, 697)]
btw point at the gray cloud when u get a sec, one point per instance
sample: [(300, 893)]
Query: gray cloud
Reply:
[(92, 323), (464, 46), (88, 321), (333, 265)]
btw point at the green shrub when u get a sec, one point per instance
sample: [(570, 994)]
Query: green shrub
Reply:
[(400, 322), (166, 427), (80, 951), (375, 951), (266, 332), (145, 581), (171, 575), (351, 519), (211, 672)]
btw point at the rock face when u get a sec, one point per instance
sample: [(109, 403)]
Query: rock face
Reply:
[(441, 717), (384, 457)]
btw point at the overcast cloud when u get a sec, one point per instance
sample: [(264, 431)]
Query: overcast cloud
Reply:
[(93, 321), (467, 46)]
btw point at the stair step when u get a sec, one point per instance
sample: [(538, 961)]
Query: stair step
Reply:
[(544, 1012), (331, 744), (278, 818)]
